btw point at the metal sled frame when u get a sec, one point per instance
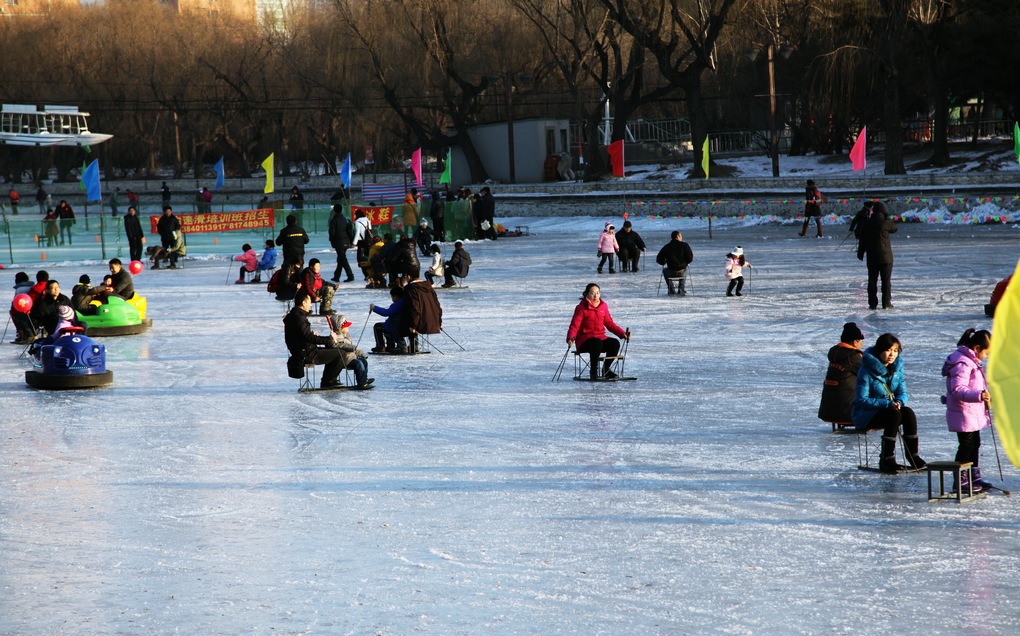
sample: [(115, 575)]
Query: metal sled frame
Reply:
[(676, 280), (866, 448), (582, 364)]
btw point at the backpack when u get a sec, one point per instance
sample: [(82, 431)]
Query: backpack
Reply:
[(273, 285), (422, 311)]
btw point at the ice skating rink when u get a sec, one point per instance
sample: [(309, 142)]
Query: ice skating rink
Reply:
[(469, 494)]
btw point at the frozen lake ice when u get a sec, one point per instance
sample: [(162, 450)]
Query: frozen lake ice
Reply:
[(469, 494)]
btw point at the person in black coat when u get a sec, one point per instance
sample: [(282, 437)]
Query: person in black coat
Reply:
[(340, 233), (486, 213), (458, 265), (292, 239), (45, 310), (403, 260), (877, 249), (437, 211), (133, 229), (167, 226), (308, 348), (674, 257), (123, 284), (423, 237), (631, 246), (841, 377)]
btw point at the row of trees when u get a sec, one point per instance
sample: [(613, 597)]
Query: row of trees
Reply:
[(394, 74)]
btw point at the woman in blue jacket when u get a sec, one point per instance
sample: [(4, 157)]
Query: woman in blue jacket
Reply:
[(880, 402)]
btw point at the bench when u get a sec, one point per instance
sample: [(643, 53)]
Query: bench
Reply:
[(957, 469)]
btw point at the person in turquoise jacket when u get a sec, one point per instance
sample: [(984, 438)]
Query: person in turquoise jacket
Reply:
[(880, 402)]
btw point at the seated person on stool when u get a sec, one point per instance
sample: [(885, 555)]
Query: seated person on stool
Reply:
[(268, 262), (308, 348), (250, 260), (352, 357), (841, 377), (386, 333), (320, 290), (588, 328), (458, 265), (675, 256)]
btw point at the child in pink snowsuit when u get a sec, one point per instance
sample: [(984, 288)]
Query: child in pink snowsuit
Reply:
[(967, 400), (608, 247)]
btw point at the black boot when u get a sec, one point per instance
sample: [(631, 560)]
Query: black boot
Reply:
[(887, 459), (910, 444)]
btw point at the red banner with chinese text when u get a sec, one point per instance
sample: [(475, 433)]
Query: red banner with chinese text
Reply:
[(222, 221), (377, 215)]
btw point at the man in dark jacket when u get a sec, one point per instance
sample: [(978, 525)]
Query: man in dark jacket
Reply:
[(878, 250), (167, 225), (292, 239), (403, 261), (308, 348), (123, 284), (133, 229), (436, 213), (487, 213), (458, 265), (674, 257), (421, 314), (631, 246), (340, 238), (44, 310)]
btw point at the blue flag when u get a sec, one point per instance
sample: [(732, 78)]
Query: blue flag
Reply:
[(219, 174), (345, 172), (90, 179)]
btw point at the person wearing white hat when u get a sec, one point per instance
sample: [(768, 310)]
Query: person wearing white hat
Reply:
[(735, 263), (607, 247)]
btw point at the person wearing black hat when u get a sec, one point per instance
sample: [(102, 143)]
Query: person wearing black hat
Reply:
[(23, 326), (841, 377), (83, 294)]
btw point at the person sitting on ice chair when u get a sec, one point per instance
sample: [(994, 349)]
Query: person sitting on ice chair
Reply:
[(306, 347), (588, 330)]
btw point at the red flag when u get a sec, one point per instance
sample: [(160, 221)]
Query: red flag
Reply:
[(857, 155), (616, 157)]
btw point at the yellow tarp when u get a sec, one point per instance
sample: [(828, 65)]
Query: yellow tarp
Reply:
[(1004, 369)]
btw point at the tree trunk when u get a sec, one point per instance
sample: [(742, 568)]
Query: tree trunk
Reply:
[(699, 119)]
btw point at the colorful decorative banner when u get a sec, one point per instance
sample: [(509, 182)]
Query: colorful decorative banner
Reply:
[(377, 215), (221, 221), (930, 201)]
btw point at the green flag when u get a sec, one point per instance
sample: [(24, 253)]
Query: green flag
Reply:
[(704, 157), (81, 178), (1016, 140), (447, 175)]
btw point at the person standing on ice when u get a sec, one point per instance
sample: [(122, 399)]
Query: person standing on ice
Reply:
[(967, 401), (588, 329), (812, 208), (734, 270), (675, 256), (877, 248), (841, 378), (607, 247), (881, 402)]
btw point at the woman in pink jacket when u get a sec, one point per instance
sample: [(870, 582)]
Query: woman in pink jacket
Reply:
[(608, 247), (967, 399), (588, 329)]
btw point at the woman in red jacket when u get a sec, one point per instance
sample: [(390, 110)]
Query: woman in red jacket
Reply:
[(588, 329)]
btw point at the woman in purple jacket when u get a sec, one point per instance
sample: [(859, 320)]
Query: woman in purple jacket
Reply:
[(967, 399)]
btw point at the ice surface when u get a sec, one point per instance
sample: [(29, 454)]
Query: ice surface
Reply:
[(468, 494)]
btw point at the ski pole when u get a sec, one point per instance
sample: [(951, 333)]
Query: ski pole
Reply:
[(559, 369), (626, 345), (451, 338), (995, 443), (841, 242), (5, 328), (229, 267), (363, 329)]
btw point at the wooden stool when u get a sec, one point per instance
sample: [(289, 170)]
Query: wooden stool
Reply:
[(957, 468)]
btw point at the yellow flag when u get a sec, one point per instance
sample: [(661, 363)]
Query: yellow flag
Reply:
[(267, 165), (1004, 369), (704, 157)]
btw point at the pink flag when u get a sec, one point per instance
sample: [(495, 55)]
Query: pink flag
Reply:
[(857, 155), (416, 165)]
